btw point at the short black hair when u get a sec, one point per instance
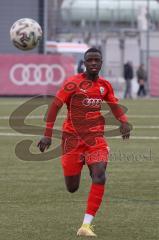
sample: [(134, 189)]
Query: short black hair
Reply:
[(93, 49)]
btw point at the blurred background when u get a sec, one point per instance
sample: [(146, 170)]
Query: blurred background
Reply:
[(34, 203), (125, 31)]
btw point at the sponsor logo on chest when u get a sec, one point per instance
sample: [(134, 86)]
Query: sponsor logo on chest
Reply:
[(101, 90), (92, 102)]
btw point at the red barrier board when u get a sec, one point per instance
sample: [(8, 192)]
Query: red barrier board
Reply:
[(154, 76), (33, 74)]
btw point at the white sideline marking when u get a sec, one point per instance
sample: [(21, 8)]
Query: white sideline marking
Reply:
[(16, 135), (11, 103), (117, 137), (143, 116), (21, 117), (28, 117), (145, 126), (107, 126), (137, 137), (64, 116)]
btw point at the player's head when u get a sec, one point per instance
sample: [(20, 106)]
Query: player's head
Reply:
[(93, 50), (93, 60)]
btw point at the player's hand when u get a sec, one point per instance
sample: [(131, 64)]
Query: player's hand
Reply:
[(125, 130), (44, 143)]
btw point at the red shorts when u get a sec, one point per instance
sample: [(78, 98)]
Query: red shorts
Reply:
[(76, 153)]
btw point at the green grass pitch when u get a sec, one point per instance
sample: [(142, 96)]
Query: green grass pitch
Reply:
[(35, 205)]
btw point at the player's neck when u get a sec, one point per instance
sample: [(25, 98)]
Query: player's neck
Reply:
[(92, 77)]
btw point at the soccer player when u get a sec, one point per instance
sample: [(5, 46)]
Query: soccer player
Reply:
[(83, 139)]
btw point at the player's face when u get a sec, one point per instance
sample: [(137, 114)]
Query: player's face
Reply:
[(93, 62)]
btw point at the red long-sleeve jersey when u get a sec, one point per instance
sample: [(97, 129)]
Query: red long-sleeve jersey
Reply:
[(84, 98)]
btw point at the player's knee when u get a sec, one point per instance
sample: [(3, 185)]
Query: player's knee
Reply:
[(72, 189), (99, 178)]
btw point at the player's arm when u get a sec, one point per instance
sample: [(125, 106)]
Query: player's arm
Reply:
[(118, 112), (57, 103), (45, 141)]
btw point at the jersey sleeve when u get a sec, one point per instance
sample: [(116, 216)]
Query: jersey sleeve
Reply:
[(64, 93), (112, 101), (61, 97)]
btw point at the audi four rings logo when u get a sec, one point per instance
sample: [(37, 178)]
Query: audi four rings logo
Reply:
[(37, 74), (94, 102)]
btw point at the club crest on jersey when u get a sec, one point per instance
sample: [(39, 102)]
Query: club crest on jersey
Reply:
[(101, 90)]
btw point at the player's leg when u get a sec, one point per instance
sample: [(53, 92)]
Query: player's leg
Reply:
[(98, 175), (97, 163), (72, 167), (72, 162), (72, 182), (97, 172)]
